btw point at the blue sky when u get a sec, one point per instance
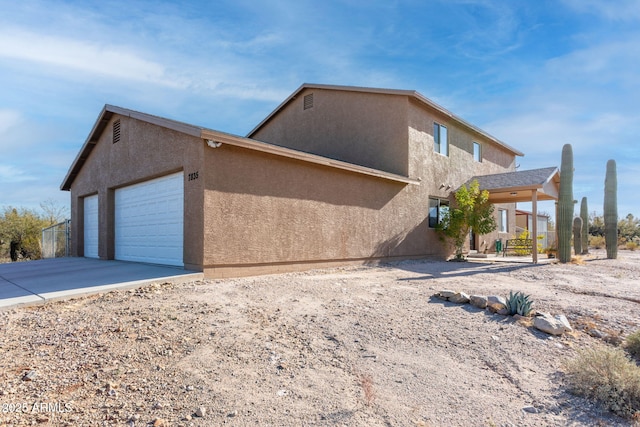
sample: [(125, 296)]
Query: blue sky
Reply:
[(535, 74)]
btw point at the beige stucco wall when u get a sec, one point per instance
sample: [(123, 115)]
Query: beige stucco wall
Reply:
[(145, 151), (266, 213), (250, 212), (442, 175), (365, 129)]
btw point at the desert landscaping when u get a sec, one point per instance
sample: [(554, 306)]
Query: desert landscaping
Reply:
[(349, 346)]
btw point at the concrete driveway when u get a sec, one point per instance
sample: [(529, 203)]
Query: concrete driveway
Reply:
[(39, 281)]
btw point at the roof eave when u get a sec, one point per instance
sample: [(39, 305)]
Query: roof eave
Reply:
[(264, 147)]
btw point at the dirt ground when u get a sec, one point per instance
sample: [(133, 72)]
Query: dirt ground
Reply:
[(356, 346)]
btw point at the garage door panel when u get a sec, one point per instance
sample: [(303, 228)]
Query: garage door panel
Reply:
[(91, 230), (149, 221)]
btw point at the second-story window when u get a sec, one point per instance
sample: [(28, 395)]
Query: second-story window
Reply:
[(477, 152), (440, 139)]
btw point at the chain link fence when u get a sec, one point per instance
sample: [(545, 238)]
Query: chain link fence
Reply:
[(56, 240)]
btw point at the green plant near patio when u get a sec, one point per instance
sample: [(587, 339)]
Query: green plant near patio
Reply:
[(471, 211), (519, 303), (525, 235)]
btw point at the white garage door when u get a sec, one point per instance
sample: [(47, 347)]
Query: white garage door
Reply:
[(149, 221), (91, 226)]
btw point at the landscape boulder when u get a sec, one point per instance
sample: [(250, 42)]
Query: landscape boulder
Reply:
[(554, 325), (446, 294), (495, 303), (459, 298), (479, 301)]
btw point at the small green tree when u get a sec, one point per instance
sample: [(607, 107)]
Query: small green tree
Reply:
[(471, 211), (20, 232)]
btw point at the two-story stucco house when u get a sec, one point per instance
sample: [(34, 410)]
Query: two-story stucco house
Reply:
[(333, 175)]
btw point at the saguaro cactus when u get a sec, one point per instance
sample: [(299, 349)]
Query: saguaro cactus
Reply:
[(565, 204), (584, 214), (577, 235), (611, 210)]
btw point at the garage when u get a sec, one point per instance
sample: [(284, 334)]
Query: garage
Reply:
[(149, 221), (91, 229)]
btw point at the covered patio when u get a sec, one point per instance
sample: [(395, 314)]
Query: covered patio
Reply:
[(523, 186)]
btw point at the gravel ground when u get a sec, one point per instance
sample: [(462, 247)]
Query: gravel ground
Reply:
[(356, 346)]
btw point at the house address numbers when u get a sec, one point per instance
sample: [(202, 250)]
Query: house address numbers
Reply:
[(193, 176)]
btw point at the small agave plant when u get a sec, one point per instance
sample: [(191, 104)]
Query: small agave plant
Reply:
[(519, 303)]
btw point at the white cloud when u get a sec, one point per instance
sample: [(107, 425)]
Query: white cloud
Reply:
[(12, 174), (94, 58), (540, 131), (609, 62), (218, 67)]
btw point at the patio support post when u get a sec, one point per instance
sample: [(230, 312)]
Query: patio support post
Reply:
[(534, 225)]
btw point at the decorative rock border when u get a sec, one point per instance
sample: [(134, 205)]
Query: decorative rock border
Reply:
[(545, 322)]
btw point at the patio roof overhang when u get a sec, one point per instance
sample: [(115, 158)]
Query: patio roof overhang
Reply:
[(521, 194), (521, 186)]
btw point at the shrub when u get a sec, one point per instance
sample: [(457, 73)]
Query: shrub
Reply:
[(632, 246), (596, 242), (607, 376), (633, 344), (519, 303), (523, 235)]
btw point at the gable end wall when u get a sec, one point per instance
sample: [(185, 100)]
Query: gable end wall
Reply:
[(365, 129), (145, 151)]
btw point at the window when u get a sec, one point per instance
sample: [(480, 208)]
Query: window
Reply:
[(477, 152), (440, 140), (503, 225), (437, 209)]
